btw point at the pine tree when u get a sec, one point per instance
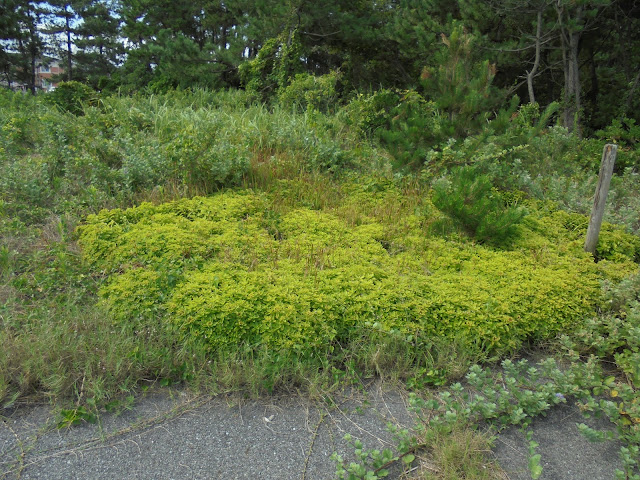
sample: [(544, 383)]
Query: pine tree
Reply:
[(22, 45), (60, 17), (416, 30), (183, 44), (99, 48), (460, 84)]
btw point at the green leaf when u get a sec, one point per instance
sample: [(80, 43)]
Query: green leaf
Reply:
[(536, 471), (408, 459)]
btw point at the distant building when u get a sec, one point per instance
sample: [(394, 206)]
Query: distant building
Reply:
[(45, 73)]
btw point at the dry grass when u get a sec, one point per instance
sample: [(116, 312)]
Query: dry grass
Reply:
[(459, 454)]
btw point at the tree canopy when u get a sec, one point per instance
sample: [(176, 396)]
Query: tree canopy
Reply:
[(466, 55)]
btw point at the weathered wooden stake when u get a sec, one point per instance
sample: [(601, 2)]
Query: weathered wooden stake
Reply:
[(604, 179)]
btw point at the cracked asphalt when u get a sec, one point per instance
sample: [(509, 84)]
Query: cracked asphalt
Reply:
[(173, 434)]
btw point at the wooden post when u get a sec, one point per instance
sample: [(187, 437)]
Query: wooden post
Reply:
[(604, 179)]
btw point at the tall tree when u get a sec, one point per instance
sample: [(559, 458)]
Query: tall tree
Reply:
[(213, 28), (8, 34), (61, 17), (99, 46), (22, 44), (416, 29), (541, 38), (574, 17)]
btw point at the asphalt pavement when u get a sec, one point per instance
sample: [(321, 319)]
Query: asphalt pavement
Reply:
[(175, 434)]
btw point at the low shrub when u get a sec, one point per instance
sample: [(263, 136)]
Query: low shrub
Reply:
[(624, 132), (25, 190), (310, 91), (369, 113), (71, 96), (185, 143), (519, 152), (614, 243), (415, 127), (229, 270), (617, 245)]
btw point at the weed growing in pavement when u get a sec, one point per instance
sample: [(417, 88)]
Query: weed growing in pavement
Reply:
[(371, 465), (441, 452), (75, 416), (534, 458)]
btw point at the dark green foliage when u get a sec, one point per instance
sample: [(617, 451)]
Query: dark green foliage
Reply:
[(179, 62), (414, 128), (22, 43), (71, 97), (472, 55), (372, 112), (99, 44), (518, 152), (460, 84), (471, 201), (626, 133), (277, 63)]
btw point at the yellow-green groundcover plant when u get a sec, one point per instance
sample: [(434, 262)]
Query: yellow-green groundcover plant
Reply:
[(235, 270)]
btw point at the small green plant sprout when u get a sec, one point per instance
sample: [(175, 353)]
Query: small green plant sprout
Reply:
[(117, 406), (75, 416), (373, 464), (629, 456), (534, 458)]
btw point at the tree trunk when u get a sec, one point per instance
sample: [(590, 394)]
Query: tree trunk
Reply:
[(570, 38), (68, 29), (594, 91), (572, 87), (536, 63), (33, 55), (223, 37), (32, 82), (630, 95)]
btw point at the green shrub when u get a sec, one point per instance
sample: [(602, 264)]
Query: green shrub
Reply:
[(277, 62), (520, 150), (614, 244), (369, 113), (472, 202), (625, 133), (199, 159), (228, 270), (25, 190), (617, 245), (460, 84), (616, 333), (20, 129), (310, 91), (71, 96)]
